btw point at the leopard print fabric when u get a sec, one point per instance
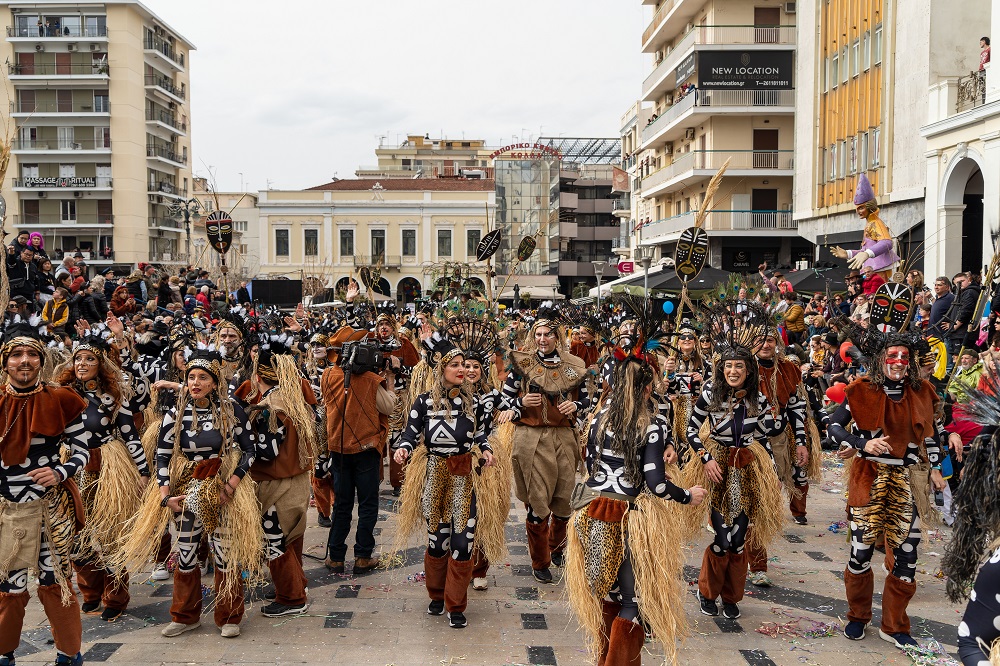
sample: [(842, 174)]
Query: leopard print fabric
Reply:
[(446, 498), (603, 551)]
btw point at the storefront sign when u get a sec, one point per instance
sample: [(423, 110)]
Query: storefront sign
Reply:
[(745, 70), (58, 182), (626, 267), (526, 151), (685, 69)]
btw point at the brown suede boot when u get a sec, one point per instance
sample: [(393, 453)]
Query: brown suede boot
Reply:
[(712, 576), (456, 587), (11, 620), (538, 545), (228, 608), (625, 643), (896, 597), (557, 538), (859, 595), (67, 629), (186, 605), (609, 611), (436, 573)]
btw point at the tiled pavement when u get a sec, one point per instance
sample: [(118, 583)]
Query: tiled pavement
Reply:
[(380, 618)]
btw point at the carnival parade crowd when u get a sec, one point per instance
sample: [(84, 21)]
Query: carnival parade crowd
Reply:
[(156, 441)]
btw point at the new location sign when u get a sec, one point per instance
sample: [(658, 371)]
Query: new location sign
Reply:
[(745, 70), (626, 267)]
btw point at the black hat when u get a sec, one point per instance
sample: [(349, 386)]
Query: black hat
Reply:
[(831, 339)]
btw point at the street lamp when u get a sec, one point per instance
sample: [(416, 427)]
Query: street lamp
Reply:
[(186, 211), (645, 253), (598, 272)]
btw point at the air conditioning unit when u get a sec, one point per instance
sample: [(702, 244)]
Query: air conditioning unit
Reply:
[(41, 195), (173, 106), (77, 195), (789, 7), (95, 47), (689, 27), (669, 148), (71, 47), (39, 47), (689, 134), (158, 30)]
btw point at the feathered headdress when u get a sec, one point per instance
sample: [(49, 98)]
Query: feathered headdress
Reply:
[(477, 337), (646, 337), (738, 327)]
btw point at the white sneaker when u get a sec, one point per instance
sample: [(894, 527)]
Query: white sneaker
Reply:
[(176, 628), (160, 573), (480, 584), (230, 630)]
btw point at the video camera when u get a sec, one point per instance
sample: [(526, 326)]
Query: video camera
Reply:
[(361, 356)]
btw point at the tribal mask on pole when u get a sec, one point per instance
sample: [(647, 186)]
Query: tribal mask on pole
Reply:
[(891, 308), (691, 253), (219, 228)]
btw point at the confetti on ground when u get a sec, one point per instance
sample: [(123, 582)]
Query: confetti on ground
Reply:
[(838, 526), (929, 653), (798, 627)]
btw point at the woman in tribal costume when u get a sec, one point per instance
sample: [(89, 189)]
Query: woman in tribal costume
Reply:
[(686, 372), (440, 478), (112, 481), (203, 454), (733, 447), (624, 555)]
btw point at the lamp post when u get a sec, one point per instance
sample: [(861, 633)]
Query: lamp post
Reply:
[(186, 211), (645, 259), (598, 272)]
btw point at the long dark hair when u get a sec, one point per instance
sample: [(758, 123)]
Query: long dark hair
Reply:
[(628, 415), (723, 393)]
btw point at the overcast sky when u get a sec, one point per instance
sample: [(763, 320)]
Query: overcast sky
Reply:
[(290, 93)]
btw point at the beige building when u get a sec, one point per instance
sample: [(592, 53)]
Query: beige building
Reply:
[(415, 230), (423, 157), (720, 89), (100, 98), (243, 257)]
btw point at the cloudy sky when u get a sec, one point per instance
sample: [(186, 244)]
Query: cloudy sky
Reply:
[(292, 93)]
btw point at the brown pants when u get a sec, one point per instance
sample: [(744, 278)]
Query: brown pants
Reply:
[(323, 494), (724, 576), (397, 471), (896, 595), (98, 585), (288, 576), (67, 629)]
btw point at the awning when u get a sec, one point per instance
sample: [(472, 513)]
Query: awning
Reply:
[(535, 293)]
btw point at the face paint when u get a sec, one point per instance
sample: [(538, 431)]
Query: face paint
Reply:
[(891, 307), (898, 358), (691, 253)]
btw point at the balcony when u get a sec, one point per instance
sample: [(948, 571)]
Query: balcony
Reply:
[(622, 206), (36, 33), (59, 146), (167, 87), (167, 188), (41, 109), (663, 77), (697, 165), (49, 221), (87, 71), (971, 91), (165, 223), (167, 154), (691, 109), (167, 120), (723, 222), (161, 48), (569, 200), (53, 183)]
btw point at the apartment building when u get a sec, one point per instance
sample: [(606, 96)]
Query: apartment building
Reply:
[(416, 231), (423, 157), (721, 89), (862, 97), (100, 100)]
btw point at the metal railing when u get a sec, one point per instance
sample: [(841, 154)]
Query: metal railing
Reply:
[(715, 99), (361, 260), (62, 183), (163, 48), (61, 144), (722, 220), (714, 159), (165, 222), (167, 188), (41, 32), (622, 203), (168, 85), (971, 91), (620, 242), (166, 118), (167, 153), (58, 69), (55, 107), (661, 13), (57, 220)]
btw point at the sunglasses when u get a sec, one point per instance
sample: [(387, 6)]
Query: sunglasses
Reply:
[(687, 337), (12, 306)]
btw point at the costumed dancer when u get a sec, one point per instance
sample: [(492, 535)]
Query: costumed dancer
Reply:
[(893, 414), (735, 453), (113, 480), (543, 394), (39, 501), (624, 550), (403, 358), (686, 372), (439, 482), (314, 366), (876, 244)]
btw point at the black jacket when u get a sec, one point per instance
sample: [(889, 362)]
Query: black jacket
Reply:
[(964, 310), (22, 277)]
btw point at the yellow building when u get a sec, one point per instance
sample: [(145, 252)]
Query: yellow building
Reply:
[(413, 229), (721, 89), (100, 98), (423, 157)]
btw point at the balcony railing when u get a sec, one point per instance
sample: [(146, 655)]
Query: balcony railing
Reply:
[(361, 260), (749, 99), (167, 153), (58, 69), (66, 31), (721, 220), (712, 160), (164, 48), (620, 243), (58, 220), (61, 144), (657, 19), (971, 91), (168, 85), (622, 203), (166, 222), (61, 182), (55, 107), (167, 188), (166, 118)]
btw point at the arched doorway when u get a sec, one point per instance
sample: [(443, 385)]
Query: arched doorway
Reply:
[(341, 285), (963, 191), (474, 283), (972, 223), (408, 290)]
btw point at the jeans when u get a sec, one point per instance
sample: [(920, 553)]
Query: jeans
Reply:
[(354, 473)]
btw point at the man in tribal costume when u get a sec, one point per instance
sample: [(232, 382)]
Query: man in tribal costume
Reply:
[(39, 501), (544, 393)]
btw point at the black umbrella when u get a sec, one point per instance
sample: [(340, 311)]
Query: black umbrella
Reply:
[(816, 279), (707, 279)]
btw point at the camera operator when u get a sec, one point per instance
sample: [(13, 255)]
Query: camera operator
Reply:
[(358, 405)]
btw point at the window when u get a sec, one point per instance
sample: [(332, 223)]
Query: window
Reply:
[(845, 71), (409, 242), (29, 171), (877, 45), (853, 147), (834, 71), (876, 156), (281, 242), (866, 49), (378, 246), (832, 167), (67, 208), (444, 242), (101, 102), (842, 156), (66, 137), (310, 238), (102, 137), (346, 242), (473, 236), (240, 225), (855, 58), (67, 171), (863, 151)]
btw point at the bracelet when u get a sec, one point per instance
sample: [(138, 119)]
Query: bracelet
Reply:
[(163, 502), (937, 467)]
